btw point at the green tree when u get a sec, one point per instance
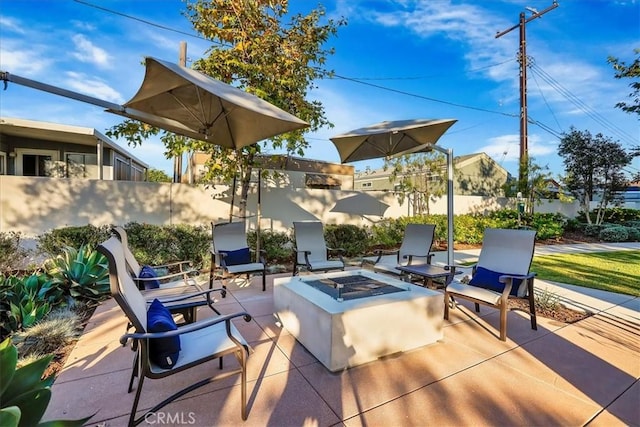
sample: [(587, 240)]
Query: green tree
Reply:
[(420, 177), (594, 166), (631, 71), (255, 50), (156, 175)]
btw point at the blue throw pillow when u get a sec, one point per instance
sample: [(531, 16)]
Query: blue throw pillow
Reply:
[(162, 351), (146, 272), (237, 257), (485, 278)]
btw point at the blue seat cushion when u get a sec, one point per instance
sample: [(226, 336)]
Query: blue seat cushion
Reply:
[(163, 352), (147, 272), (237, 257), (488, 279)]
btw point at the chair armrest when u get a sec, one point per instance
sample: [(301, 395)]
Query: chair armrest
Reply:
[(206, 292), (508, 279), (410, 256), (191, 327), (180, 264), (165, 277), (381, 252)]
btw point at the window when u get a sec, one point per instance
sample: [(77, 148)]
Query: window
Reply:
[(76, 164), (32, 162), (3, 163)]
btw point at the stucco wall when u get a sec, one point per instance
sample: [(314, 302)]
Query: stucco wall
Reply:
[(33, 205)]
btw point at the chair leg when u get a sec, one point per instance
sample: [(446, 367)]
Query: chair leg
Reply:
[(243, 385), (134, 408), (532, 308), (446, 306), (264, 281), (503, 321), (134, 371)]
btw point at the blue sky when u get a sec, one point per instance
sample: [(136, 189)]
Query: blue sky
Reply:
[(394, 60)]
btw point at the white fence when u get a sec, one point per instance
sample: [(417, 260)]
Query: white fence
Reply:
[(34, 205)]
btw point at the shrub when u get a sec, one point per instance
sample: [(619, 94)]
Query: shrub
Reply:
[(352, 239), (548, 226), (11, 255), (634, 223), (82, 273), (614, 234), (633, 234), (25, 394), (55, 241), (592, 230), (277, 245), (156, 244)]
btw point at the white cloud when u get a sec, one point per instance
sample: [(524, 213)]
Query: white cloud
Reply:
[(10, 25), (22, 61), (507, 148), (86, 51), (90, 86)]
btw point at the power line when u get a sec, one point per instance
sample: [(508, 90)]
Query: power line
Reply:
[(423, 97), (153, 24), (579, 103)]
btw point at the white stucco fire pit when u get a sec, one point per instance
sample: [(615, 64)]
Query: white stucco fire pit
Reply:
[(377, 315)]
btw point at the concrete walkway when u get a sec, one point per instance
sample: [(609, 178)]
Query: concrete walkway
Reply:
[(578, 374)]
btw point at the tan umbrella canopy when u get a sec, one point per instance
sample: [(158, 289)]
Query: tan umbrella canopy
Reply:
[(388, 139), (190, 103), (360, 204)]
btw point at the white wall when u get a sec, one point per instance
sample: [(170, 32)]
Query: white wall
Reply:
[(33, 205)]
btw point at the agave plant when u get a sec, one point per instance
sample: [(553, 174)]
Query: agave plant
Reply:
[(26, 300), (83, 272), (24, 394)]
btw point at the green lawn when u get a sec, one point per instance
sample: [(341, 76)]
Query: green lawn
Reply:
[(609, 271)]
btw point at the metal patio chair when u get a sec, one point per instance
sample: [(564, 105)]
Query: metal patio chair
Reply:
[(415, 249), (198, 342), (502, 271), (231, 256), (311, 251)]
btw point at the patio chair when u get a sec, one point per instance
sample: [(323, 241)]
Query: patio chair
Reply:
[(231, 256), (182, 296), (168, 275), (164, 349), (415, 249), (502, 271), (311, 251)]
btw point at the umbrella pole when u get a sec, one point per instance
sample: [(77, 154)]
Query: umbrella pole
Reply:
[(449, 153), (259, 215), (233, 198)]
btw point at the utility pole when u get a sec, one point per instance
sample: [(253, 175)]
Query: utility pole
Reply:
[(524, 117), (177, 160)]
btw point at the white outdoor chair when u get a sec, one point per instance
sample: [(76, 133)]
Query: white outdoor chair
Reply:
[(311, 251), (196, 344), (502, 271), (179, 291), (230, 254), (169, 275), (415, 249)]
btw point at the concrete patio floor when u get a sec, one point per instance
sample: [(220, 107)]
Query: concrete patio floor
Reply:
[(584, 373)]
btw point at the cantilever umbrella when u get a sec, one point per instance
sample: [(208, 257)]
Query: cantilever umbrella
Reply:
[(388, 139), (187, 102), (191, 104)]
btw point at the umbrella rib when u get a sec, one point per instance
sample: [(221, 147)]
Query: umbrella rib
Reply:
[(188, 110)]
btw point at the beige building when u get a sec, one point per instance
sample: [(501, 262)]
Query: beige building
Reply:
[(34, 148), (474, 175), (287, 172)]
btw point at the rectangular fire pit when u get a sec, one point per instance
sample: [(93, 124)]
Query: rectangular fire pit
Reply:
[(370, 316)]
